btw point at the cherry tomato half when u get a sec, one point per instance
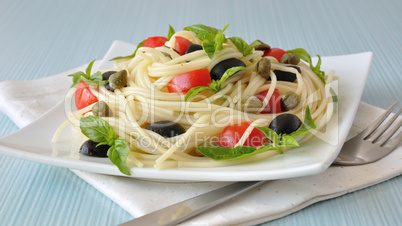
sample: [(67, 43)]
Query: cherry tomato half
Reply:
[(83, 96), (154, 42), (232, 134), (184, 82), (275, 52), (181, 45), (274, 104)]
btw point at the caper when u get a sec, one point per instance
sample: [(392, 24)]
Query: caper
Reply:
[(105, 77), (118, 80), (251, 104), (101, 109), (290, 58), (263, 67), (262, 46), (290, 101)]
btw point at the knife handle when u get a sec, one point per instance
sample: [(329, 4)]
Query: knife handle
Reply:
[(186, 209)]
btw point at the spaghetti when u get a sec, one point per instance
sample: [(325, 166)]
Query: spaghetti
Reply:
[(147, 98)]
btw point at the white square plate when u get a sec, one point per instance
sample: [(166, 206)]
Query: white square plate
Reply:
[(33, 142)]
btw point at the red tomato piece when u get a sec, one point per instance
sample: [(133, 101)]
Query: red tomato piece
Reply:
[(184, 82), (274, 104), (232, 134), (181, 45), (154, 42), (83, 96), (275, 52)]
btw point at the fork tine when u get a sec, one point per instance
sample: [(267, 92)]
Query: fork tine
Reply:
[(391, 133), (395, 142), (386, 126), (377, 123)]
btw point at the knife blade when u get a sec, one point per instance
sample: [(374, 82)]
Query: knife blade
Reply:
[(189, 208)]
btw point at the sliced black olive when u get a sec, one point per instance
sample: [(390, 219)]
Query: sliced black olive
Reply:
[(219, 69), (193, 47), (285, 124), (166, 128), (89, 148), (285, 75), (105, 77)]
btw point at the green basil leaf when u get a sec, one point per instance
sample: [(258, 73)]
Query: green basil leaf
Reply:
[(88, 70), (289, 141), (302, 54), (97, 76), (212, 38), (224, 28), (242, 45), (194, 92), (215, 86), (317, 70), (219, 40), (229, 72), (97, 129), (118, 153), (307, 126), (87, 77), (202, 31), (170, 32), (269, 147), (255, 43), (77, 77), (220, 153), (269, 133), (334, 96), (238, 152), (209, 48), (132, 55), (93, 83)]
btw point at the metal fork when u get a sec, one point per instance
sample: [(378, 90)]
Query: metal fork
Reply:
[(370, 145), (374, 142)]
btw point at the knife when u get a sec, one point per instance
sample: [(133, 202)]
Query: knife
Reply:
[(186, 209)]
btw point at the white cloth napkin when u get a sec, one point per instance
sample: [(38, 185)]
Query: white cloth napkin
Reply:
[(24, 102)]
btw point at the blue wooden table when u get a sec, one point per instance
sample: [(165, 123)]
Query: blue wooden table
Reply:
[(44, 37)]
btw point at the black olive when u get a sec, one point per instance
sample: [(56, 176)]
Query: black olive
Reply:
[(285, 75), (219, 69), (166, 128), (89, 148), (105, 77), (285, 124), (193, 47)]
